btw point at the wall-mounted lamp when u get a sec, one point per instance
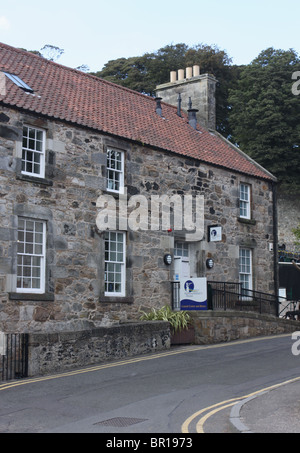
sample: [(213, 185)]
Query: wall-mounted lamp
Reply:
[(168, 259), (209, 263)]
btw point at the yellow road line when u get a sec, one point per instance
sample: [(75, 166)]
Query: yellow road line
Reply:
[(188, 421), (199, 426), (223, 405)]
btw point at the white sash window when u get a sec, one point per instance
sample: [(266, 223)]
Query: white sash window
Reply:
[(115, 263), (31, 253)]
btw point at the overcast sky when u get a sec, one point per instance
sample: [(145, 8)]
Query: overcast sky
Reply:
[(92, 32)]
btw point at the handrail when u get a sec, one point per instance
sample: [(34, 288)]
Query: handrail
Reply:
[(232, 296)]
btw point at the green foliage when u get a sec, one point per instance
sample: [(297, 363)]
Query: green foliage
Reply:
[(265, 115), (296, 232), (179, 320)]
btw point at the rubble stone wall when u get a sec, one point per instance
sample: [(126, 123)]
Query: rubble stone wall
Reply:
[(66, 200)]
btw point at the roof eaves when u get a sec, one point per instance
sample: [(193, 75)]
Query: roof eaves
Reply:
[(269, 175)]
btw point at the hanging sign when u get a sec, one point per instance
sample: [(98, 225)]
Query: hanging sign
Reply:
[(193, 294)]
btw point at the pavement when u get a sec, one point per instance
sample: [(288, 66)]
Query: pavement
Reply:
[(272, 411)]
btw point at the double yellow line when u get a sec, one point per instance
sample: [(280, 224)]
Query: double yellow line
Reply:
[(211, 410)]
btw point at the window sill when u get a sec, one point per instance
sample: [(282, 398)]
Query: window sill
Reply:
[(116, 300), (247, 221), (28, 178), (46, 297), (114, 193)]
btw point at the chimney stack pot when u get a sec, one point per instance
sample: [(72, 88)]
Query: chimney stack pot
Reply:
[(180, 74), (189, 72), (173, 76), (196, 70)]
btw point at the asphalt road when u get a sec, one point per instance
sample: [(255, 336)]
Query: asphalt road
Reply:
[(184, 390)]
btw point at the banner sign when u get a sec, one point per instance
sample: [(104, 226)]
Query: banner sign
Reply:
[(193, 294)]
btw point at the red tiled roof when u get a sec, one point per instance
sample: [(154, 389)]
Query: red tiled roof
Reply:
[(73, 96)]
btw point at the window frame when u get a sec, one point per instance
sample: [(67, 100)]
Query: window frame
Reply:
[(41, 256), (245, 202), (120, 172), (243, 272), (41, 153), (114, 263), (19, 82), (181, 249)]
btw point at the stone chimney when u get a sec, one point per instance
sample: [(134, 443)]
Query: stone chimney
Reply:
[(200, 88), (2, 84)]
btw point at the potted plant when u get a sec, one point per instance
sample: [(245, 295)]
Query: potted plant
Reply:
[(182, 332)]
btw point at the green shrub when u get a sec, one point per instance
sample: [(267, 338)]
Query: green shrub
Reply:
[(179, 320)]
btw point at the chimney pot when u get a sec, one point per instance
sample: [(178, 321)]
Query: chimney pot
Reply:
[(196, 70), (181, 74), (173, 76), (193, 118), (179, 105), (189, 72), (158, 108)]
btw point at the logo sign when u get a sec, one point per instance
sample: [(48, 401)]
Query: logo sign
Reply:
[(193, 294), (214, 233)]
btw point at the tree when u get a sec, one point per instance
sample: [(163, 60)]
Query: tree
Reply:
[(265, 116), (83, 68), (144, 73), (52, 53)]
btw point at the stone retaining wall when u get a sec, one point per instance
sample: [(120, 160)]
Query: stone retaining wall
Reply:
[(217, 327), (60, 351), (49, 353)]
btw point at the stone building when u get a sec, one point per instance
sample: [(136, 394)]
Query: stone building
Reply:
[(76, 150)]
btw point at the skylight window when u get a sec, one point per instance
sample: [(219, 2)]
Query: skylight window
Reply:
[(19, 82)]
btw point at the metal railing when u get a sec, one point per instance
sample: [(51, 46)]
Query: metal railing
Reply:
[(223, 295), (14, 356), (232, 296), (288, 306), (175, 295)]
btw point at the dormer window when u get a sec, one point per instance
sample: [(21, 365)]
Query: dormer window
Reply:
[(19, 82)]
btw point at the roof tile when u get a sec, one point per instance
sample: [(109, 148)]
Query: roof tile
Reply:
[(70, 95)]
